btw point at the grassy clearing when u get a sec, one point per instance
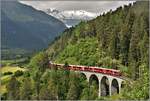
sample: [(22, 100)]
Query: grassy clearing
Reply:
[(3, 89), (11, 69), (5, 78)]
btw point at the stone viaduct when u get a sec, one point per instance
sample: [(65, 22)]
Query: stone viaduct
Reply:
[(107, 85)]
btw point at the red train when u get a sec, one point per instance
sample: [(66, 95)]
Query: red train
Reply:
[(112, 72)]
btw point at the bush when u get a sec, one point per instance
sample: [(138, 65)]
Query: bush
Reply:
[(26, 74), (18, 73), (8, 73)]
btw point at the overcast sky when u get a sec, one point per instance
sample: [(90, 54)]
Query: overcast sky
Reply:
[(91, 6)]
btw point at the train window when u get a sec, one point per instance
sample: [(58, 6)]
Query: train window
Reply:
[(85, 68), (90, 69), (107, 71), (100, 70), (78, 68), (96, 69), (74, 68), (116, 73)]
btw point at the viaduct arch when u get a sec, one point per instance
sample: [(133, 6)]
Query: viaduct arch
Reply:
[(107, 85)]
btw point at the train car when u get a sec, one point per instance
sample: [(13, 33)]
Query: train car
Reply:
[(97, 70), (86, 69), (103, 70), (107, 71), (69, 67)]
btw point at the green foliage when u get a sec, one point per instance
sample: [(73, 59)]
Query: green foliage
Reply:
[(140, 88), (74, 89), (18, 73), (84, 52), (50, 85), (118, 39), (26, 89), (26, 74), (8, 73), (48, 92), (13, 89), (39, 61), (90, 92)]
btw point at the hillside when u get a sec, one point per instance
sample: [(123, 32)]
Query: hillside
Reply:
[(26, 28), (118, 39)]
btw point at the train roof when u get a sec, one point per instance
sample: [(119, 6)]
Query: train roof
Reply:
[(96, 67)]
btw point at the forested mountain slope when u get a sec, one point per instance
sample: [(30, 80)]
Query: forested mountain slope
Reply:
[(26, 28), (118, 39)]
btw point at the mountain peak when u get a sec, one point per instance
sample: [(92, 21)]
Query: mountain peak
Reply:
[(74, 14), (71, 17)]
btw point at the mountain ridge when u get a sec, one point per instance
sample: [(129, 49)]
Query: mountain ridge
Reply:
[(25, 18), (26, 28), (71, 17)]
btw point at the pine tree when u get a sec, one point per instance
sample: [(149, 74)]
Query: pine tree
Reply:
[(134, 52), (74, 90), (37, 85), (115, 45), (40, 61), (26, 89), (45, 94), (13, 89), (49, 92)]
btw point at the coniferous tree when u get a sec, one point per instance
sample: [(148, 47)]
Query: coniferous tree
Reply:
[(49, 92), (37, 85), (115, 45), (13, 89), (26, 89), (134, 52), (73, 92)]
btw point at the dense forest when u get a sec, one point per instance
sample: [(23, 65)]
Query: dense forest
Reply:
[(118, 39)]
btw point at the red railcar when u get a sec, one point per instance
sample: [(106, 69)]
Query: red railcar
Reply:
[(112, 72)]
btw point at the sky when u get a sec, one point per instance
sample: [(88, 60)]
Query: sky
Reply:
[(90, 6)]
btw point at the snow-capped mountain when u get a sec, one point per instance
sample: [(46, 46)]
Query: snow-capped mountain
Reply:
[(71, 17)]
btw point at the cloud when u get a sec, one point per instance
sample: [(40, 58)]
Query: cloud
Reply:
[(91, 6)]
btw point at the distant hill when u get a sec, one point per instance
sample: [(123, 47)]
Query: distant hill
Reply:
[(26, 28)]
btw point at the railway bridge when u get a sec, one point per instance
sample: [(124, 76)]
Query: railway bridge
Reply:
[(107, 85), (109, 81)]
